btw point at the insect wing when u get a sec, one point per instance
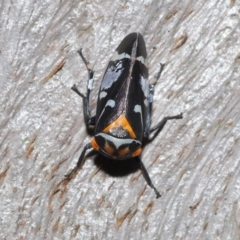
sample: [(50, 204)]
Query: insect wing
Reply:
[(124, 89)]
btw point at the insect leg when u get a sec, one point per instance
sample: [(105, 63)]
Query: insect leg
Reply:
[(80, 161), (150, 99), (151, 88), (147, 178), (89, 120), (158, 74), (161, 124)]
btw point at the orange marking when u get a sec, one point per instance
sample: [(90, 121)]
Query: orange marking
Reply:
[(121, 122), (94, 144), (108, 149), (137, 152), (123, 152)]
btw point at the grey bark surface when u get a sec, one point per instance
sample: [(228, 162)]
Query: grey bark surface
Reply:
[(193, 162)]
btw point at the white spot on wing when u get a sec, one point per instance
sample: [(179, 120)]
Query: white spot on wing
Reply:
[(102, 94), (117, 56), (110, 103), (146, 102), (145, 86), (137, 109), (141, 59), (112, 74)]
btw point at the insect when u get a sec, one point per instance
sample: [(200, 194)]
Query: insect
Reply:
[(124, 106)]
